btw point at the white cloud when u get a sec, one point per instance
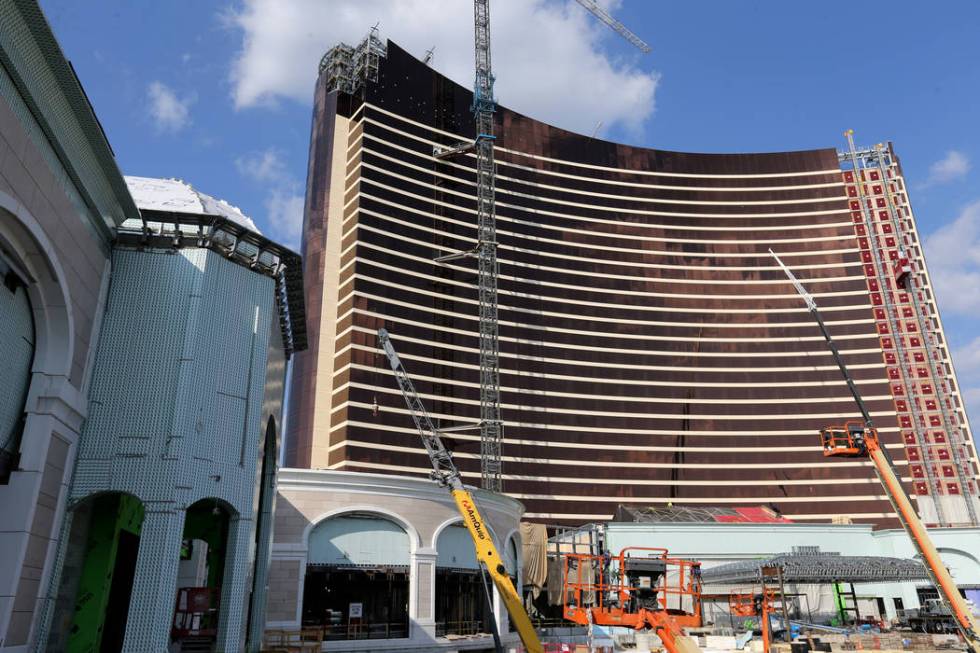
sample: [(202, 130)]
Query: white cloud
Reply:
[(953, 255), (953, 166), (169, 112), (266, 166), (966, 360), (284, 199), (284, 215), (547, 54)]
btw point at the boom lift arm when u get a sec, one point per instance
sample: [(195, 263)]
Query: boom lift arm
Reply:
[(445, 473), (855, 440)]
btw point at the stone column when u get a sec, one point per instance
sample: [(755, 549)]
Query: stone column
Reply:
[(500, 612), (235, 586), (151, 606), (422, 607)]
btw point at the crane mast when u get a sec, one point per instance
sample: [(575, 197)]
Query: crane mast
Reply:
[(484, 105), (445, 472), (856, 440)]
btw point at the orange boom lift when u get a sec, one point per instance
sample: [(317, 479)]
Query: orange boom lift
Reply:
[(756, 604), (857, 439), (636, 589)]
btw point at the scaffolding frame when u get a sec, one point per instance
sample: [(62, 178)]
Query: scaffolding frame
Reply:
[(350, 68), (880, 159)]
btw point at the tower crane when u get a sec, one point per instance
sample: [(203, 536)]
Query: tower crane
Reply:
[(445, 473), (596, 10), (485, 252), (860, 440), (483, 107)]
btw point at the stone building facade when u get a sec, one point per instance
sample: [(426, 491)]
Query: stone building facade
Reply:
[(345, 523), (140, 414)]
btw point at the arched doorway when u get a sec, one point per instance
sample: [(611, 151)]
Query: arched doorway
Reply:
[(461, 600), (357, 578), (97, 576), (200, 572), (17, 343)]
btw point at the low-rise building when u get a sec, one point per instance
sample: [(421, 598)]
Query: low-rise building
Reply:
[(379, 562)]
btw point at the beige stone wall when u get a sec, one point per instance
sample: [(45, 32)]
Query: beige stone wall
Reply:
[(307, 497), (328, 318), (297, 510), (50, 241), (282, 600)]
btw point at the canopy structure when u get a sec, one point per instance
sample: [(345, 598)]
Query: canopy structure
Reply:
[(698, 514), (817, 567)]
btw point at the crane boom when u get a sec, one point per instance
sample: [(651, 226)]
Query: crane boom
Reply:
[(596, 10), (445, 472), (811, 305), (857, 441)]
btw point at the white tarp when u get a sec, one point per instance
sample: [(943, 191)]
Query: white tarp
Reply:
[(180, 197)]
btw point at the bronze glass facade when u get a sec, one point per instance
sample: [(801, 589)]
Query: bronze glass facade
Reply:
[(652, 351)]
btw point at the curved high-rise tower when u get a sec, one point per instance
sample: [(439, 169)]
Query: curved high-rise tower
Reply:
[(652, 351)]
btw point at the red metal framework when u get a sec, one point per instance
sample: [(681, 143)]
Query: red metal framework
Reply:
[(196, 612)]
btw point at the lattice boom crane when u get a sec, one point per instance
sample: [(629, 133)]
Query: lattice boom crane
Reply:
[(860, 440), (445, 473), (596, 10), (484, 105)]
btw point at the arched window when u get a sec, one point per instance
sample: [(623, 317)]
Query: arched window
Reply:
[(357, 578), (461, 601), (17, 353)]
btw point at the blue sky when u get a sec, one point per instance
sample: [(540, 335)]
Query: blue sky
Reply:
[(218, 93)]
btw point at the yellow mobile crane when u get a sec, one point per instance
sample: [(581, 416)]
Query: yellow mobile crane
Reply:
[(445, 473), (860, 440)]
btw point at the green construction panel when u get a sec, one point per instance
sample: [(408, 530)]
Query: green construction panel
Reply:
[(110, 515)]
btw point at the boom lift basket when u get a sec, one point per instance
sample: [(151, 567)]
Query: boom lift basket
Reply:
[(620, 590), (848, 441)]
